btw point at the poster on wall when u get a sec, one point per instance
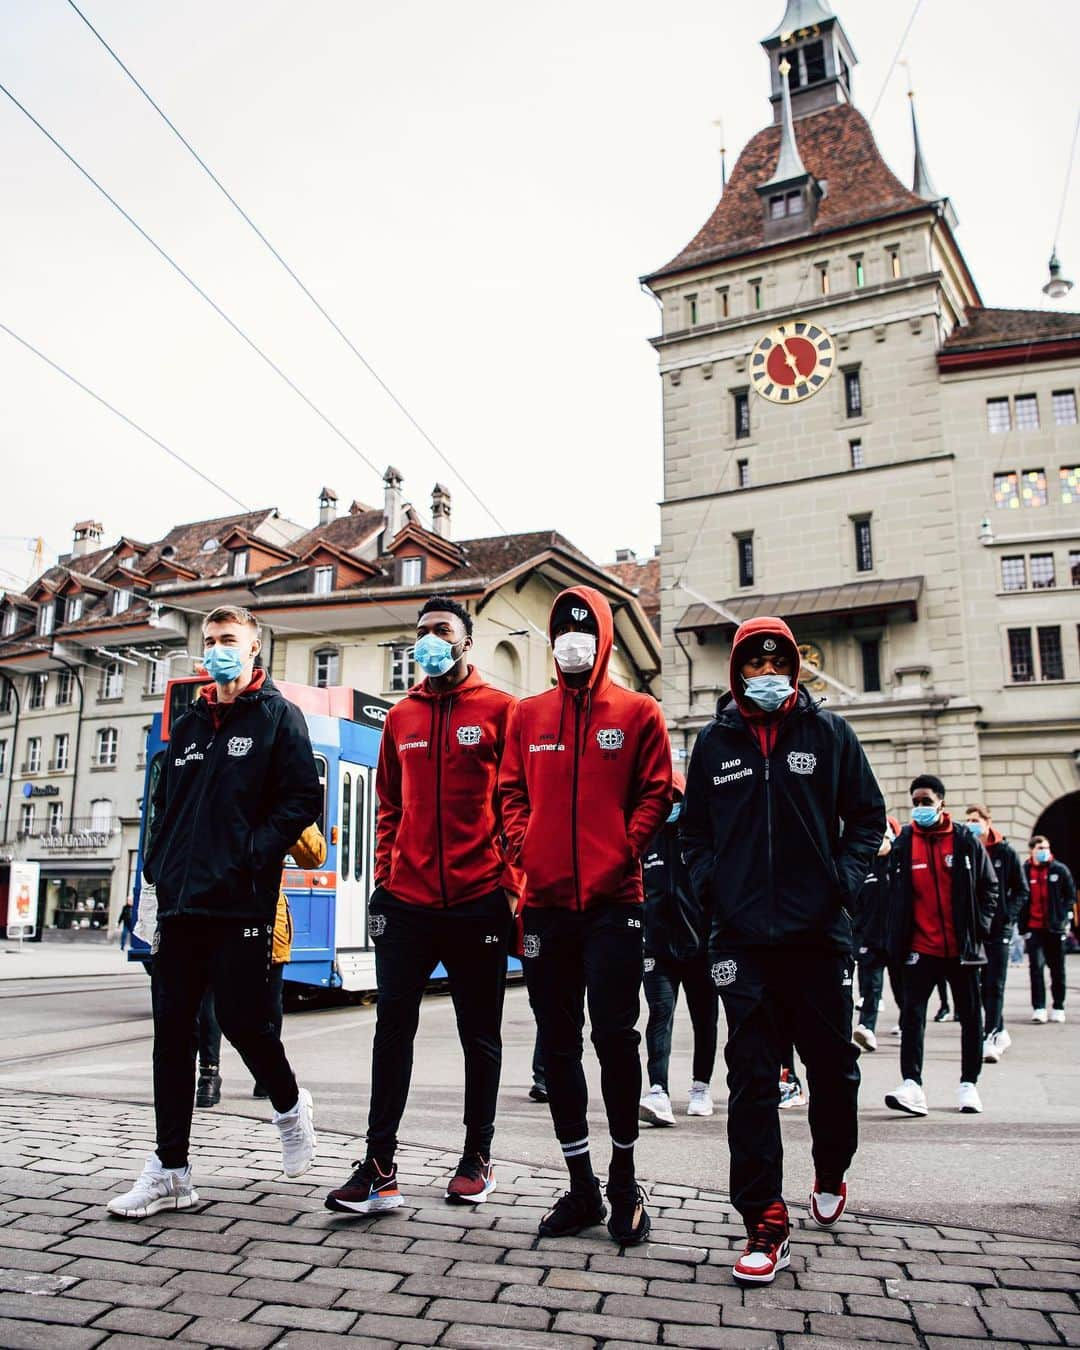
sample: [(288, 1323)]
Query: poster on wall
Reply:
[(22, 899)]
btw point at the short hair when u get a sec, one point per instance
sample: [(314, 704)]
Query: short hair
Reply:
[(980, 809), (233, 614), (928, 780), (438, 605), (1038, 839)]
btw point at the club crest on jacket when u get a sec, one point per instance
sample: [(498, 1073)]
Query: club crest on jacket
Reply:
[(723, 973), (468, 735), (376, 925), (610, 738), (239, 745), (801, 761), (530, 948)]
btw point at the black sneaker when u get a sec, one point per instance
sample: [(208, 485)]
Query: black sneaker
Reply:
[(574, 1210), (259, 1092), (626, 1200), (208, 1092), (538, 1093), (943, 1014), (369, 1190)]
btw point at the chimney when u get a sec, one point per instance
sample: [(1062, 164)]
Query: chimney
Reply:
[(87, 537), (392, 517), (440, 510), (327, 505), (625, 555)]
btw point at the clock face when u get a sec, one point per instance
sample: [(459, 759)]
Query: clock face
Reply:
[(811, 662), (792, 362)]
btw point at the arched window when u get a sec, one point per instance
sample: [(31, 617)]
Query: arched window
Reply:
[(325, 667), (506, 668)]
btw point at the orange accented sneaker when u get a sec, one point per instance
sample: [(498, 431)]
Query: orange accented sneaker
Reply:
[(767, 1249), (369, 1190), (827, 1202), (473, 1182)]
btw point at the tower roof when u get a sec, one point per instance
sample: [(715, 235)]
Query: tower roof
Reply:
[(921, 182), (800, 14)]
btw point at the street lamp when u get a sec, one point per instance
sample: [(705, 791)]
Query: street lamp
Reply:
[(1058, 285)]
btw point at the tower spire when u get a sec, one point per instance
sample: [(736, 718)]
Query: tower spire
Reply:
[(791, 195), (921, 183), (789, 164)]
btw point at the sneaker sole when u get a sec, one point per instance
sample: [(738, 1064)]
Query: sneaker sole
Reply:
[(453, 1198), (796, 1101), (156, 1206), (895, 1104), (291, 1176), (380, 1205), (991, 1057), (698, 1111), (970, 1110), (782, 1264), (651, 1117), (638, 1236), (571, 1232), (862, 1042)]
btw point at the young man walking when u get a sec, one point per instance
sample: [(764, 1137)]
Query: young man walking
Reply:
[(443, 893), (676, 956), (782, 819), (1045, 920), (871, 909), (1012, 894), (942, 897), (586, 783), (238, 785)]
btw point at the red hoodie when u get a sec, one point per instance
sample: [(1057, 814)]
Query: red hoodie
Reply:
[(933, 932), (439, 828), (218, 710), (1037, 884), (585, 782), (764, 725)]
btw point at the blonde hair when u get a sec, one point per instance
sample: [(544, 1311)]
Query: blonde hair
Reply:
[(233, 614)]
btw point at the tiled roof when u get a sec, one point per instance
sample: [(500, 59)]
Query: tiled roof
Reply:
[(837, 146), (187, 542), (344, 532), (1011, 327), (644, 579)]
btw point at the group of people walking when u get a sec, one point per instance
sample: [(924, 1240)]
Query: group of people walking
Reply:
[(554, 827)]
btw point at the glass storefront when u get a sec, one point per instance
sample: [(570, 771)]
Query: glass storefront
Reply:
[(70, 903)]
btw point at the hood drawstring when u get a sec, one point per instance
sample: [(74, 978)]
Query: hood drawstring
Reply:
[(562, 711), (431, 731), (588, 719), (449, 714)]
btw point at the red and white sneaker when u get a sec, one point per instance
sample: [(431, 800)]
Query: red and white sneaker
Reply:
[(473, 1181), (767, 1249), (369, 1190), (826, 1206)]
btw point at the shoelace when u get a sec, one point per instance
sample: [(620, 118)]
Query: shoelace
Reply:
[(765, 1237), (471, 1166)]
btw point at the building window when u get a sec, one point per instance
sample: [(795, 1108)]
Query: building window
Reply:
[(107, 741), (998, 417), (823, 278), (112, 681), (813, 61), (723, 302), (853, 393), (858, 460), (127, 562), (1007, 490), (26, 818), (9, 622), (1033, 487), (38, 685), (1042, 572), (1063, 402), (1070, 484), (45, 619), (743, 468), (1021, 661), (240, 558), (33, 755), (1051, 661), (323, 581), (101, 815), (795, 203), (776, 207), (326, 667), (858, 272), (402, 667), (1027, 412), (3, 758), (742, 414), (56, 818), (691, 310), (1014, 573), (60, 752), (893, 255), (121, 601), (864, 546), (744, 548), (870, 651), (6, 692), (756, 298), (157, 674), (412, 571), (73, 608), (1074, 566)]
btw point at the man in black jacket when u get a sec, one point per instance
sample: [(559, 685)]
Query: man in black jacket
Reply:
[(238, 785), (1044, 921), (1012, 895), (942, 898), (869, 931), (782, 819), (676, 954)]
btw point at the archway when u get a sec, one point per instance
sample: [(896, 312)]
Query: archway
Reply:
[(1060, 822), (506, 669)]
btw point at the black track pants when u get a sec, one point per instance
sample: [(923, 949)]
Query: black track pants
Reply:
[(920, 980), (663, 979), (872, 966), (992, 978), (595, 955), (471, 941), (769, 994), (232, 958), (1046, 949)]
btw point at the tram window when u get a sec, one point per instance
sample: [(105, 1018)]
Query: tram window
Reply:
[(156, 766), (346, 825), (181, 697), (358, 861), (320, 769)]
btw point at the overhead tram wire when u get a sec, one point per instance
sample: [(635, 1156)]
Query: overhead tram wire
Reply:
[(896, 57), (342, 436), (397, 402)]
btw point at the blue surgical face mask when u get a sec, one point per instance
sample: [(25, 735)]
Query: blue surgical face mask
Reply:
[(223, 664), (769, 692), (976, 827), (1042, 855), (434, 655), (925, 816), (674, 813)]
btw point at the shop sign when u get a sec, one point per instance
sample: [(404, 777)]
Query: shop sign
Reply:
[(40, 790), (82, 839), (23, 882)]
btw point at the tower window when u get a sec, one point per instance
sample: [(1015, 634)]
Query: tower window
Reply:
[(858, 272), (1051, 661), (1007, 490), (743, 467), (742, 414), (794, 203), (823, 278), (744, 547), (858, 460), (864, 547), (998, 417), (755, 293), (1042, 572), (813, 55), (723, 302), (777, 209), (870, 651), (1069, 477), (853, 400), (1014, 573), (1021, 659), (1027, 412), (893, 256), (1033, 487), (691, 310), (1064, 405)]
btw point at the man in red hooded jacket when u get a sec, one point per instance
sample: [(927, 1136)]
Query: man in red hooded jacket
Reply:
[(782, 819), (586, 783), (442, 887)]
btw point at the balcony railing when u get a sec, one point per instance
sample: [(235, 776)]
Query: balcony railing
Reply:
[(30, 766), (78, 833)]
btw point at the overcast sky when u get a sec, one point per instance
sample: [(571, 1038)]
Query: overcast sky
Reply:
[(473, 190)]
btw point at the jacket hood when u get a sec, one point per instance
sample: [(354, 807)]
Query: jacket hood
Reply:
[(209, 692), (423, 690), (594, 601), (755, 628), (993, 837)]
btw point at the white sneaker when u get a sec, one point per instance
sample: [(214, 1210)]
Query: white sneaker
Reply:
[(1002, 1040), (967, 1098), (700, 1103), (991, 1053), (157, 1188), (1057, 1014), (297, 1136), (1038, 1015), (908, 1097), (655, 1107), (895, 1031), (865, 1038)]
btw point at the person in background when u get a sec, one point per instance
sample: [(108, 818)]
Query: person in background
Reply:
[(942, 898), (124, 924), (1045, 921), (871, 910), (208, 1032), (1012, 893), (676, 956)]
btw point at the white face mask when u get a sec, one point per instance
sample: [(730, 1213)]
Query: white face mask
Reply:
[(575, 652)]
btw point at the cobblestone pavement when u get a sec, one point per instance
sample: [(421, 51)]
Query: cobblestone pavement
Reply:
[(260, 1262)]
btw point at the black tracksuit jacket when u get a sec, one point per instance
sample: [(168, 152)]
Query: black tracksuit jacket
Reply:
[(974, 897), (676, 928), (1012, 888), (871, 907), (1060, 898), (229, 805), (778, 848)]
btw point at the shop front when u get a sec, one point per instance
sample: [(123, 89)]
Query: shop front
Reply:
[(77, 868)]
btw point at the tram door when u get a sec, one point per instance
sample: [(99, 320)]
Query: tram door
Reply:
[(356, 853)]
